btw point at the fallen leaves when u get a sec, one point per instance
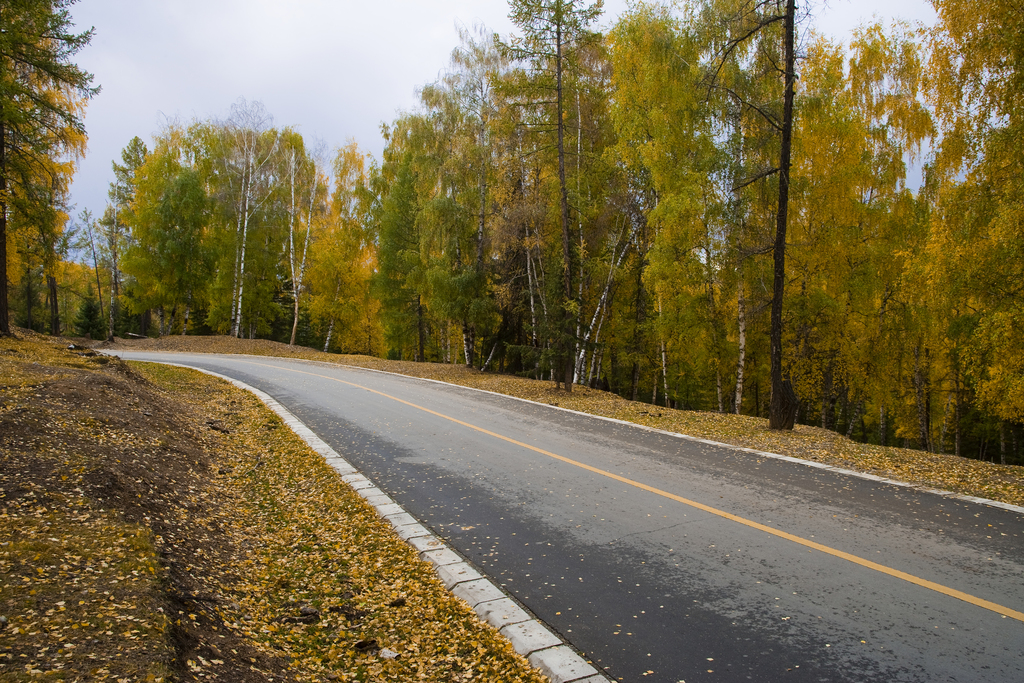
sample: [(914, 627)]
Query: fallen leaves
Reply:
[(141, 543), (315, 575)]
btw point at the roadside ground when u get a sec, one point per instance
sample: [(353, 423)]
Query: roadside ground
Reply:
[(158, 524)]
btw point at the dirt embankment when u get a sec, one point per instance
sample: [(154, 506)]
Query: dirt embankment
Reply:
[(157, 524)]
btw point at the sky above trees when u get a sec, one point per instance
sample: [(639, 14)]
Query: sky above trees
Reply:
[(332, 69)]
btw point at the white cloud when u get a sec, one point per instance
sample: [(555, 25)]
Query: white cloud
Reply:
[(333, 69)]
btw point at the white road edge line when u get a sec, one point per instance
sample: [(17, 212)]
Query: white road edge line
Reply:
[(546, 651)]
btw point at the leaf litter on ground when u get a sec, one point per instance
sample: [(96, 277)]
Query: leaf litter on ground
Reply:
[(159, 524)]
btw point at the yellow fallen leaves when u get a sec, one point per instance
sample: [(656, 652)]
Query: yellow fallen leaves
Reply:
[(78, 587), (315, 575)]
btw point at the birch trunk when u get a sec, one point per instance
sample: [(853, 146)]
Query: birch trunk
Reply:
[(330, 331), (741, 317), (664, 371), (95, 265), (184, 326), (615, 262), (297, 282)]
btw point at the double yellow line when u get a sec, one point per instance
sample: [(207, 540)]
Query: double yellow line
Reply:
[(910, 578)]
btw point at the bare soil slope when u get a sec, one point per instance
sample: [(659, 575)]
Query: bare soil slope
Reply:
[(159, 524)]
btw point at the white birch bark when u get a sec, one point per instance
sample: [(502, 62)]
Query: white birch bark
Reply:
[(614, 263), (741, 316), (246, 127)]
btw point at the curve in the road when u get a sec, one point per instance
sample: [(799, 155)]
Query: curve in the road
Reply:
[(716, 594), (910, 578), (545, 650)]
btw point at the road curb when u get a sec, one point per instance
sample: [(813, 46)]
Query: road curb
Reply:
[(545, 650)]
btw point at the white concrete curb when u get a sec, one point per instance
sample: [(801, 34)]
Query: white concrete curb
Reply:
[(545, 650)]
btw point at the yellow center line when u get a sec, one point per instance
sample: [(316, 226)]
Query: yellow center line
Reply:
[(896, 573)]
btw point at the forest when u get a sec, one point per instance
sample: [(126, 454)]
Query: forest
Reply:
[(710, 206)]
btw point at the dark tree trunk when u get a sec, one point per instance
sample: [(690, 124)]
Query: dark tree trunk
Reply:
[(782, 412), (568, 328), (922, 394), (51, 284), (420, 330)]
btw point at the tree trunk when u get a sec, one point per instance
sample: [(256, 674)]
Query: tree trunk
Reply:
[(741, 316), (51, 284), (490, 357), (184, 325), (96, 267), (783, 406), (956, 408), (330, 331), (5, 322), (922, 397), (468, 343), (29, 295), (718, 389), (882, 435), (858, 409), (421, 330), (635, 381), (664, 372), (114, 288), (567, 365), (237, 331), (1002, 442)]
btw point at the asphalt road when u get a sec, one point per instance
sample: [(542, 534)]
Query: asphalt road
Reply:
[(664, 559)]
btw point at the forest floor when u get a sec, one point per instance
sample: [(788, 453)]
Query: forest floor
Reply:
[(966, 476), (158, 524)]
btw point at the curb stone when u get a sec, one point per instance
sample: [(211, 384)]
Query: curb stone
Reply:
[(545, 651)]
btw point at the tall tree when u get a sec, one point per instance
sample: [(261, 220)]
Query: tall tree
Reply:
[(977, 88), (251, 144), (42, 96), (754, 20), (552, 30), (170, 257)]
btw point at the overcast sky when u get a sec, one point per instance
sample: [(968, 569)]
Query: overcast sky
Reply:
[(332, 69)]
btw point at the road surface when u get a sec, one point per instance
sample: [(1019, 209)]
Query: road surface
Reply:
[(665, 559)]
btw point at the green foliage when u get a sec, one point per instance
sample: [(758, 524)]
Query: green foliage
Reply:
[(89, 322), (42, 99)]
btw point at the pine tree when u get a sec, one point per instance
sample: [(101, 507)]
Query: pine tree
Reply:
[(41, 98)]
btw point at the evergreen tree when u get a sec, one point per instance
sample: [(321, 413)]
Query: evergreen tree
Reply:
[(41, 95)]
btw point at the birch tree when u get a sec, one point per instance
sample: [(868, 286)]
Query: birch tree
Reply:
[(251, 147)]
